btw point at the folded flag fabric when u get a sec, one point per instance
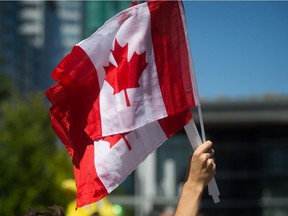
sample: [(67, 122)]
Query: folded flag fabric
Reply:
[(121, 93)]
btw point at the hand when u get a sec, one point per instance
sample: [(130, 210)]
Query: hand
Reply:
[(201, 170), (202, 167)]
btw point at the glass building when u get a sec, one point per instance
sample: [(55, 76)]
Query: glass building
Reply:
[(35, 36), (96, 13), (8, 37)]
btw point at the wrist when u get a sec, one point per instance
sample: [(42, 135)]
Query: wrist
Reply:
[(190, 199), (194, 189)]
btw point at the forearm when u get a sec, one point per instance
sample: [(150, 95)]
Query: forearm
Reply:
[(201, 170), (189, 201)]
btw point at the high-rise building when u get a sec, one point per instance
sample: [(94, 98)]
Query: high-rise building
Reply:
[(8, 37), (95, 13), (31, 26), (69, 15), (63, 29), (36, 35), (30, 36)]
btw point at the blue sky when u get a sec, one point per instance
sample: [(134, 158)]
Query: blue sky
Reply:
[(239, 49)]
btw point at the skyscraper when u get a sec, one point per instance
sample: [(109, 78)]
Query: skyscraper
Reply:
[(8, 37), (95, 13), (63, 29), (36, 35)]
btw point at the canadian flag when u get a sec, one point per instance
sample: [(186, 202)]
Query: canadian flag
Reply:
[(121, 93)]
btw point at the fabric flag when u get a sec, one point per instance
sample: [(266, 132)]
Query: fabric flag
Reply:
[(121, 93)]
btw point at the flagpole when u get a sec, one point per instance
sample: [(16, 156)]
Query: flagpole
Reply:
[(190, 128), (201, 121)]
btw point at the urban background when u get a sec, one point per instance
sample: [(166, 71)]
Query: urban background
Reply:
[(250, 133)]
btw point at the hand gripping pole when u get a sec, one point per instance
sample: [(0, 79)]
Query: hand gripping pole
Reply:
[(195, 141)]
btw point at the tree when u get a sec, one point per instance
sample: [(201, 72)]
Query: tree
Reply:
[(5, 86), (32, 164)]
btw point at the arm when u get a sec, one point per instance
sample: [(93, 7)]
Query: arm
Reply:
[(201, 171)]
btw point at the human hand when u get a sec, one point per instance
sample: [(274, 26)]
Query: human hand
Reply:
[(202, 167), (201, 170)]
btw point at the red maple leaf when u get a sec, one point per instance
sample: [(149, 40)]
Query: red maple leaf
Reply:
[(113, 139), (126, 74)]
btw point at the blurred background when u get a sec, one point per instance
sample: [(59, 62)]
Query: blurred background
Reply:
[(240, 57)]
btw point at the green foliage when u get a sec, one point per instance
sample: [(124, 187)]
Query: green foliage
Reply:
[(6, 86), (32, 164)]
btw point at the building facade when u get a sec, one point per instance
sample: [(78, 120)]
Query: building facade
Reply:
[(96, 13), (35, 36), (8, 37)]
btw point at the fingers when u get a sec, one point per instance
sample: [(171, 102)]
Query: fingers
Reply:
[(211, 166), (211, 152), (206, 156), (202, 167), (207, 159), (205, 149), (206, 152)]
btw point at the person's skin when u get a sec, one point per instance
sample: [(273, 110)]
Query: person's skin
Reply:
[(201, 171)]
